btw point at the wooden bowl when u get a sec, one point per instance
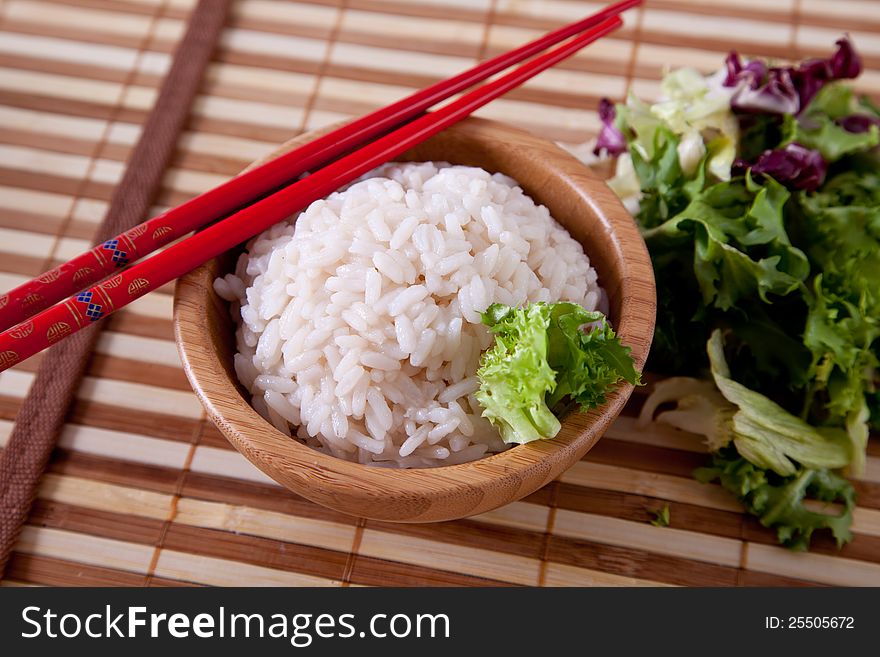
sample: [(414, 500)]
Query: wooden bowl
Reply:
[(580, 202)]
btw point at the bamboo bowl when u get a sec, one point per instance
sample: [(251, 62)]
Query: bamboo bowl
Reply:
[(579, 201)]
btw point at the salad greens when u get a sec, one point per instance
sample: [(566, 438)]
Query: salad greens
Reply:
[(770, 459), (758, 194), (778, 502), (761, 430), (662, 517), (541, 359)]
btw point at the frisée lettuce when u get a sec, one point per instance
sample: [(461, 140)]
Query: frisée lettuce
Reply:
[(547, 354)]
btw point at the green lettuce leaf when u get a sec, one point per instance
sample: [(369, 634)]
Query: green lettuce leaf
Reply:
[(761, 430), (725, 222), (817, 127), (821, 133), (661, 516), (541, 357), (766, 434), (515, 375), (778, 502), (841, 226), (587, 363), (834, 100), (660, 178), (839, 100)]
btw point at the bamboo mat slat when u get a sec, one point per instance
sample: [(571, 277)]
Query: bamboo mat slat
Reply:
[(143, 490)]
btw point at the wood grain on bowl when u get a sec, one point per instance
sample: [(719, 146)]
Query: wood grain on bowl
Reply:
[(579, 201)]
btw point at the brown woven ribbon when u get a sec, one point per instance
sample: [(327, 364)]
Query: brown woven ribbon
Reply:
[(41, 416)]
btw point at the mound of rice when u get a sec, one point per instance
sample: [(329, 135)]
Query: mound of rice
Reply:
[(359, 326)]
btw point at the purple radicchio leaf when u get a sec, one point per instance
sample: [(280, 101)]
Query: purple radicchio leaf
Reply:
[(787, 90), (752, 72), (858, 123), (610, 139), (845, 62), (810, 76), (808, 79), (777, 95), (759, 89), (794, 166)]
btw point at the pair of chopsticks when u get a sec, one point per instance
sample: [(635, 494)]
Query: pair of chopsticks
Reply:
[(34, 329)]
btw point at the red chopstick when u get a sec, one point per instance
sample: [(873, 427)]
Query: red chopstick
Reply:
[(49, 326), (105, 259)]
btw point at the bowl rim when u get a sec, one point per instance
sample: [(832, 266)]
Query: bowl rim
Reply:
[(501, 477)]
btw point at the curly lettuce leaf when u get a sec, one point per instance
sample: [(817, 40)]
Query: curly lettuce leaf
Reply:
[(822, 133), (841, 225), (542, 356), (779, 502), (587, 363), (724, 222), (840, 103), (515, 375), (660, 179), (720, 250)]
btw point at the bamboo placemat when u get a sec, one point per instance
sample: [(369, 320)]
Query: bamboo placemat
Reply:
[(144, 490)]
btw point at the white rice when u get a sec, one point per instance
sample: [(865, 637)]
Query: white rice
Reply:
[(359, 326)]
